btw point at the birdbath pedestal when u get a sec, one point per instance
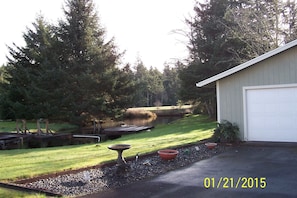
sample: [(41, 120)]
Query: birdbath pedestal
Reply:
[(120, 148)]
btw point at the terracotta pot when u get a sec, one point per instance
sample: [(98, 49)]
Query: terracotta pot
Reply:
[(211, 145), (168, 154)]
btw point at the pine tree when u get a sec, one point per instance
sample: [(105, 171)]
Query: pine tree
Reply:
[(32, 73), (210, 52), (141, 97), (256, 25), (225, 33), (155, 87), (89, 61), (171, 83), (68, 71)]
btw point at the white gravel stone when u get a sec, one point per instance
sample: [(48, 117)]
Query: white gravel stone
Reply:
[(100, 179)]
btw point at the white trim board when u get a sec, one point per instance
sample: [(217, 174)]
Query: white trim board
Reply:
[(218, 101)]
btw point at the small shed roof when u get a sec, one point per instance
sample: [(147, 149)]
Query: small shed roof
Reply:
[(246, 64)]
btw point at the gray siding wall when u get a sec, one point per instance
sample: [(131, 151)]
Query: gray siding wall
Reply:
[(279, 69)]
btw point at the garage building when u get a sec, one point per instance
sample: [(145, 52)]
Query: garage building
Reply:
[(260, 95)]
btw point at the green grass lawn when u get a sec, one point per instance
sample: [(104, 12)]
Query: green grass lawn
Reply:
[(26, 163), (5, 193), (10, 126)]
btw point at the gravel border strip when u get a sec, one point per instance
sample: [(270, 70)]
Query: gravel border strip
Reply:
[(100, 178)]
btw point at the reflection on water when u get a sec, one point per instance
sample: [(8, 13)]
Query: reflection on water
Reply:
[(141, 121)]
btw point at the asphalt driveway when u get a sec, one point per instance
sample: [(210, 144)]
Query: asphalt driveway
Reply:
[(250, 170)]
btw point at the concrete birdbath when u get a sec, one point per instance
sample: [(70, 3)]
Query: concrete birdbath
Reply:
[(120, 148)]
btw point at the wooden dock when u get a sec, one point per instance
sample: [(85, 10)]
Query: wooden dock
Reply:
[(124, 130)]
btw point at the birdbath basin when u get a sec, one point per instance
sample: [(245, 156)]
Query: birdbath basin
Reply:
[(120, 148)]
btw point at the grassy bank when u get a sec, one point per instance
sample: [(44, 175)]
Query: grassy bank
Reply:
[(164, 110), (26, 163), (5, 193), (10, 126)]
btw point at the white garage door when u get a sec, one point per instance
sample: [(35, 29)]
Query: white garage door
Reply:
[(271, 114)]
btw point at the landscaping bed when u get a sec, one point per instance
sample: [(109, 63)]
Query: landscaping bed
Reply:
[(32, 165), (108, 176)]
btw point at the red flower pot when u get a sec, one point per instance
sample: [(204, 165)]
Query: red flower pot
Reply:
[(211, 145), (168, 154)]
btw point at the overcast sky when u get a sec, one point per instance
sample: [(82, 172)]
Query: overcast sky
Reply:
[(142, 28)]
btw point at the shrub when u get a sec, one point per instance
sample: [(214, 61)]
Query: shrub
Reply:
[(226, 132)]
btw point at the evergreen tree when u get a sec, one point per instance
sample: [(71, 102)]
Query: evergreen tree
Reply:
[(121, 93), (141, 97), (68, 71), (32, 76), (226, 33), (4, 110), (171, 84), (149, 86), (210, 52), (155, 87), (89, 61), (256, 25), (261, 25)]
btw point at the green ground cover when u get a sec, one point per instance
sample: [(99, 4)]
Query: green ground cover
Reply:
[(10, 126), (26, 163), (5, 193)]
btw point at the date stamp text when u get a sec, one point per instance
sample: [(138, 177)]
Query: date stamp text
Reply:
[(230, 182)]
